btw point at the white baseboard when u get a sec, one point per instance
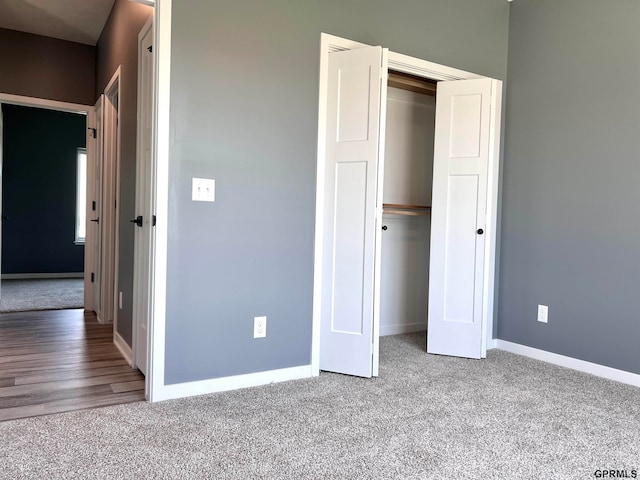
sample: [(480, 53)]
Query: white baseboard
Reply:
[(573, 363), (202, 387), (399, 328), (493, 343), (123, 347), (33, 276)]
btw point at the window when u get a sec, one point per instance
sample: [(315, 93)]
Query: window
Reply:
[(81, 197)]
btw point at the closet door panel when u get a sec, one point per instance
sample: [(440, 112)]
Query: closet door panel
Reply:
[(348, 260), (460, 258)]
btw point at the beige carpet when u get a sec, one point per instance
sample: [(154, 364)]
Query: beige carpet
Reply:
[(425, 417), (49, 294)]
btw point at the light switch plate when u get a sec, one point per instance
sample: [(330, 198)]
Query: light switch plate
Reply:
[(259, 327), (543, 313), (203, 190)]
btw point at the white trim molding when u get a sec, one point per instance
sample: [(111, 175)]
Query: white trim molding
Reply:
[(203, 387), (161, 133), (123, 347), (570, 362), (44, 103)]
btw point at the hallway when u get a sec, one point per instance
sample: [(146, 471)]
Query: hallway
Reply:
[(59, 361)]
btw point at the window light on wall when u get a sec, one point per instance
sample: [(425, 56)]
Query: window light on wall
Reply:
[(81, 197)]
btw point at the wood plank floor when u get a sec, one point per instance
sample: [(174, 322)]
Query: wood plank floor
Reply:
[(61, 360)]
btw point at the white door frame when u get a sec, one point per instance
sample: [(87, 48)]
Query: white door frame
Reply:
[(143, 266), (111, 205), (96, 123), (156, 389), (88, 111), (425, 69), (1, 170)]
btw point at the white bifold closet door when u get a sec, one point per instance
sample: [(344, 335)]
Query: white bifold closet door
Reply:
[(351, 223), (458, 218)]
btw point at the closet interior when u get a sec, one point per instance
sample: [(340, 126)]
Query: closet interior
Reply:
[(406, 219)]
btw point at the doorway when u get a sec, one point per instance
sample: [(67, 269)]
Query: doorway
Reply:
[(352, 128), (62, 360), (406, 203), (44, 208)]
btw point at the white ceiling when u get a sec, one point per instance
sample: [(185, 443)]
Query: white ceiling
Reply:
[(79, 21)]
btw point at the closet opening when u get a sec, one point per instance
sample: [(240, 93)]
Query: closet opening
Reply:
[(389, 157), (406, 218)]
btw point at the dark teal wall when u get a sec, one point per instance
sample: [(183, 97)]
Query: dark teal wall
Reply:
[(39, 190), (244, 110), (571, 189)]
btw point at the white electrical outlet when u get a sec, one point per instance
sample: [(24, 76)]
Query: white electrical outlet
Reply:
[(543, 313), (120, 300), (203, 190), (259, 327)]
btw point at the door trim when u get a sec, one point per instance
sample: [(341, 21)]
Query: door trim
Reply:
[(406, 64), (23, 101), (160, 140), (110, 234), (88, 111)]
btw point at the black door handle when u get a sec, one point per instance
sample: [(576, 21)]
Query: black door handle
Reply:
[(480, 231), (137, 220), (384, 227), (96, 220)]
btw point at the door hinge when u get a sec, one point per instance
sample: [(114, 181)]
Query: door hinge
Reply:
[(94, 132), (93, 205), (150, 48), (93, 277), (153, 221)]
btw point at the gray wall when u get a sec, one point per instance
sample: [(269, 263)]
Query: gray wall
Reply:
[(118, 45), (43, 67), (571, 216), (244, 108), (39, 186)]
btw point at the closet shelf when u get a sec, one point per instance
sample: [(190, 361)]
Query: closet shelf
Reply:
[(401, 209), (412, 83)]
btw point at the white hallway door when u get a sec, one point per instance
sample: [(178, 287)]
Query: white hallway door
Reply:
[(144, 203), (95, 213), (353, 205)]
